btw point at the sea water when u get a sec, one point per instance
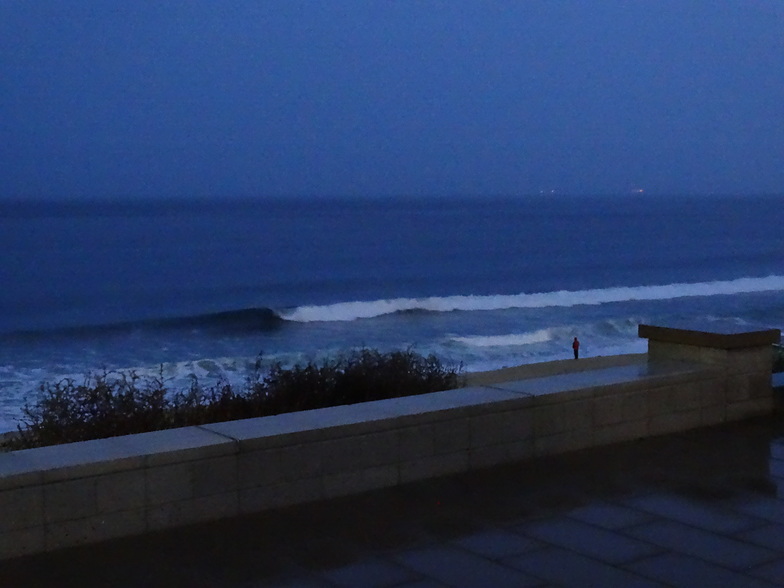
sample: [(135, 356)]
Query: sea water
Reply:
[(203, 288)]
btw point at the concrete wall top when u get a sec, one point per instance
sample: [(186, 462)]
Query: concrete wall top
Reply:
[(114, 454), (377, 415), (156, 448), (550, 389), (721, 338)]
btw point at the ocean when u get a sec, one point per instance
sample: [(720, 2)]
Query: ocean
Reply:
[(203, 288)]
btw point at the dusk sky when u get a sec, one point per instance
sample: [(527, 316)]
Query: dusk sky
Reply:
[(206, 98)]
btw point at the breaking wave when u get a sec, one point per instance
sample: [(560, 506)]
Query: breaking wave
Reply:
[(541, 336), (349, 311)]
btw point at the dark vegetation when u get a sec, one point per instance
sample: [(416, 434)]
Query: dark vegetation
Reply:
[(122, 403)]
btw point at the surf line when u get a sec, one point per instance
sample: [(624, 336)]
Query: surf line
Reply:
[(348, 311)]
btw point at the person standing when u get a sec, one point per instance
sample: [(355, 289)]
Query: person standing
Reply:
[(576, 348)]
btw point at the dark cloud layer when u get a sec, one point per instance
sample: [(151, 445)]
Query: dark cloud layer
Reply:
[(297, 97)]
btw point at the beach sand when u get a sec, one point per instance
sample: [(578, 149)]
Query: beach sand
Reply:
[(549, 368)]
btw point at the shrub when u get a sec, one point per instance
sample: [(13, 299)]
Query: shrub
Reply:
[(104, 405), (121, 403)]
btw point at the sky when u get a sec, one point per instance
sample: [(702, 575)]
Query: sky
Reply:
[(204, 98)]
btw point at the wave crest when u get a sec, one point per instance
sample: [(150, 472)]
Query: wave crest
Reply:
[(349, 311), (514, 339)]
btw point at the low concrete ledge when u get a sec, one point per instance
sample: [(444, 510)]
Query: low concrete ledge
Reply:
[(379, 415), (105, 456), (745, 358), (66, 495), (727, 338)]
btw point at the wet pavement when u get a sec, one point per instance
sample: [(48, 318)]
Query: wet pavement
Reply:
[(704, 508)]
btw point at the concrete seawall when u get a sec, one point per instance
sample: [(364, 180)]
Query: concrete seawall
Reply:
[(80, 493)]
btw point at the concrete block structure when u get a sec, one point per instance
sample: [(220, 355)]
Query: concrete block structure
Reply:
[(744, 361), (86, 492)]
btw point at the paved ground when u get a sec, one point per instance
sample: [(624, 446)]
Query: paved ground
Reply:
[(697, 509), (551, 368)]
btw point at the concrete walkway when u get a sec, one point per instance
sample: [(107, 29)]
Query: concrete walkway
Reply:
[(694, 509)]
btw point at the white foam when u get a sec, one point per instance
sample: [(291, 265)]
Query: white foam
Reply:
[(348, 311), (514, 339)]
